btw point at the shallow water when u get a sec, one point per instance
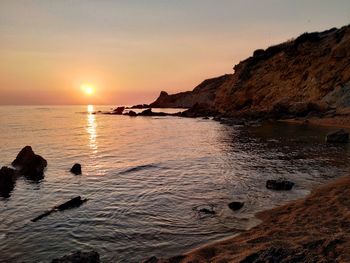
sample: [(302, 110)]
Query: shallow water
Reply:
[(146, 178)]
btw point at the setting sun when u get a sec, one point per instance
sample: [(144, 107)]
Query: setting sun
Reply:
[(87, 89)]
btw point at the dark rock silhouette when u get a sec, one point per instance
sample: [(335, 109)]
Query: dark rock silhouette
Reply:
[(340, 136), (119, 110), (132, 113), (79, 257), (199, 110), (282, 81), (204, 93), (7, 181), (73, 203), (149, 112), (76, 169), (30, 164), (140, 106), (279, 185), (235, 205)]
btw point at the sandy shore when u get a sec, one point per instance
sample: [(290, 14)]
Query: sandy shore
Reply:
[(313, 229)]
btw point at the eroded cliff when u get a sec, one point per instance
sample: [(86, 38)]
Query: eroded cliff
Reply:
[(308, 74)]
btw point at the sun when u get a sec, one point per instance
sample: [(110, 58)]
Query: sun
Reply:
[(88, 89)]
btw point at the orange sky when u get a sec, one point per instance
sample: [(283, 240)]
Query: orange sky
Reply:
[(130, 52)]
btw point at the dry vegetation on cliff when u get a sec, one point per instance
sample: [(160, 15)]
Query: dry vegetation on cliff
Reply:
[(307, 75)]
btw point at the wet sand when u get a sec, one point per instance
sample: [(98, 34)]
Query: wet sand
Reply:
[(313, 229)]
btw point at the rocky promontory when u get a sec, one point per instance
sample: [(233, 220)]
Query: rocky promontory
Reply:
[(305, 76), (204, 93)]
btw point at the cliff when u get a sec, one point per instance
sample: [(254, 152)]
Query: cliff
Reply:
[(204, 93), (310, 74)]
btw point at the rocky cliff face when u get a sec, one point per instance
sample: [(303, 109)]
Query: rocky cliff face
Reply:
[(308, 74), (204, 93)]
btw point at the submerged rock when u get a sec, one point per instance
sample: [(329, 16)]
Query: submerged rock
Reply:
[(340, 136), (76, 169), (7, 181), (79, 257), (30, 164), (235, 205), (280, 185), (74, 202)]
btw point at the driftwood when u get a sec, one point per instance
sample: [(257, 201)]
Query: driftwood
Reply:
[(74, 202)]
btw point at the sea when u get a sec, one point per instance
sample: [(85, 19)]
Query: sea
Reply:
[(147, 180)]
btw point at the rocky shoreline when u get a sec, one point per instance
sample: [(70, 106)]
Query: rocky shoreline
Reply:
[(313, 229)]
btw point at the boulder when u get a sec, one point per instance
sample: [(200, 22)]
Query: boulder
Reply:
[(147, 112), (340, 136), (7, 181), (279, 185), (235, 205), (132, 113), (118, 110), (76, 169), (79, 257), (30, 164), (299, 109)]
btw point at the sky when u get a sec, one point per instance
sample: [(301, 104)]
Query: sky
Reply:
[(128, 51)]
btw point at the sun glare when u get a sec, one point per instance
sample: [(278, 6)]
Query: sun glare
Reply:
[(87, 89)]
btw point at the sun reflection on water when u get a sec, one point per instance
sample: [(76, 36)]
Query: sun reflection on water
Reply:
[(91, 128)]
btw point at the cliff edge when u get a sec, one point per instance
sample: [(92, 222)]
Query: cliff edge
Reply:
[(306, 75)]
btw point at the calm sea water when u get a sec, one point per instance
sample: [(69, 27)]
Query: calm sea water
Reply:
[(146, 178)]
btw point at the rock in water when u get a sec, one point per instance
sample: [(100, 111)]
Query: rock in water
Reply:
[(79, 257), (280, 185), (7, 181), (118, 110), (132, 113), (76, 169), (75, 202), (235, 205), (30, 164), (147, 112), (338, 136)]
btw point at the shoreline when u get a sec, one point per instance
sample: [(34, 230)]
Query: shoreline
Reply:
[(335, 122), (315, 227)]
